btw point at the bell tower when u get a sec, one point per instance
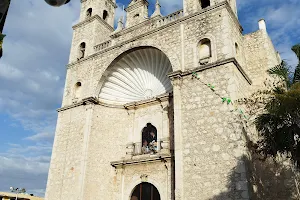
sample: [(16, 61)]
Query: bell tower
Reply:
[(192, 6), (95, 25), (103, 8), (137, 12)]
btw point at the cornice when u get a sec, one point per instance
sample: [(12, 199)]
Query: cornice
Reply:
[(147, 102), (153, 158), (136, 5), (129, 106), (90, 19), (178, 21), (180, 74), (110, 1), (86, 101)]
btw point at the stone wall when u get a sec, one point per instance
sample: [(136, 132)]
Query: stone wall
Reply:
[(260, 56), (65, 175), (92, 31), (211, 137), (206, 135), (98, 6)]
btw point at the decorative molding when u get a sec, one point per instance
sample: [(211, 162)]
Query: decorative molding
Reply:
[(110, 1), (144, 177), (85, 101), (176, 78), (103, 45), (133, 5), (90, 19), (179, 74), (153, 158), (155, 100), (139, 75)]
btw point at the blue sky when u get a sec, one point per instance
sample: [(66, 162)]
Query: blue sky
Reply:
[(32, 73)]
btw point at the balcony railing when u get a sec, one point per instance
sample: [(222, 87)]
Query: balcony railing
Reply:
[(139, 149), (103, 45), (170, 18), (134, 149)]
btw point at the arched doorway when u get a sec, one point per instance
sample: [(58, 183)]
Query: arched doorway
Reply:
[(145, 191)]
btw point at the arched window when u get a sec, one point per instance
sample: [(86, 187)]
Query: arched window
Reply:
[(149, 139), (145, 191), (236, 49), (205, 3), (81, 51), (77, 90), (105, 15), (89, 12), (204, 49)]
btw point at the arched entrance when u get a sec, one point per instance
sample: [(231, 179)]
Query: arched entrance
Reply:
[(145, 191)]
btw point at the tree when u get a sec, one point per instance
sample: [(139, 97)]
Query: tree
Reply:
[(279, 124)]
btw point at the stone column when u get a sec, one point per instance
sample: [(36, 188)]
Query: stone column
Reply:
[(89, 103), (176, 82)]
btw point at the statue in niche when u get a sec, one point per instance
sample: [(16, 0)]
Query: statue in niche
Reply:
[(149, 139)]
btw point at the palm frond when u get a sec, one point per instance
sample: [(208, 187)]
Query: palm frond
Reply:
[(297, 74), (282, 71), (296, 50)]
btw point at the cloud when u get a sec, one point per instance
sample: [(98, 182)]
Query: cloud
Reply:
[(32, 72), (30, 173), (282, 19), (25, 166), (41, 137)]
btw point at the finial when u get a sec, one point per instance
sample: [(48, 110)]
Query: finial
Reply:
[(120, 24), (262, 25), (157, 9)]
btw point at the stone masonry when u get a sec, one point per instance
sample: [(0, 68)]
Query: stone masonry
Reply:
[(201, 153)]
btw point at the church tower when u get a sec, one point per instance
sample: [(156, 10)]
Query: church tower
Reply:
[(137, 12), (192, 6), (148, 108), (96, 23)]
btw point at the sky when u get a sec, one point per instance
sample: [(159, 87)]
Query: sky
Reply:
[(33, 70)]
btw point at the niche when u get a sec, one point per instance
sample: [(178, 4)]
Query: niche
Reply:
[(81, 51), (105, 15), (89, 12)]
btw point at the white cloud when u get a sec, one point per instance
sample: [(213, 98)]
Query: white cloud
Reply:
[(282, 19), (32, 72), (41, 136)]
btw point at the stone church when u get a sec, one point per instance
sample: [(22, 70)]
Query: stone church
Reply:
[(147, 112)]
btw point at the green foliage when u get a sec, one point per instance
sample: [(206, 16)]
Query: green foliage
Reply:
[(279, 125), (281, 71), (296, 49)]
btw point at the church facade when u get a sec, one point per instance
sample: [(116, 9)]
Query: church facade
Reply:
[(147, 110)]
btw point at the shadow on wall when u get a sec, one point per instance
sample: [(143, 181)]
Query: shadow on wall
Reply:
[(266, 180)]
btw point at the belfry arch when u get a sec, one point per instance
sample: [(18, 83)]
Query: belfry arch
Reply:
[(137, 74)]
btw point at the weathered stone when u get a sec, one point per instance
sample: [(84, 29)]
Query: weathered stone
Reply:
[(101, 142)]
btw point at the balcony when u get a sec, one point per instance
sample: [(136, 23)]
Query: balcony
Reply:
[(136, 153), (157, 148)]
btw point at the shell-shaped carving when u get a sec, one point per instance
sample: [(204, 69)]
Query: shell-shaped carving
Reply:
[(140, 74)]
